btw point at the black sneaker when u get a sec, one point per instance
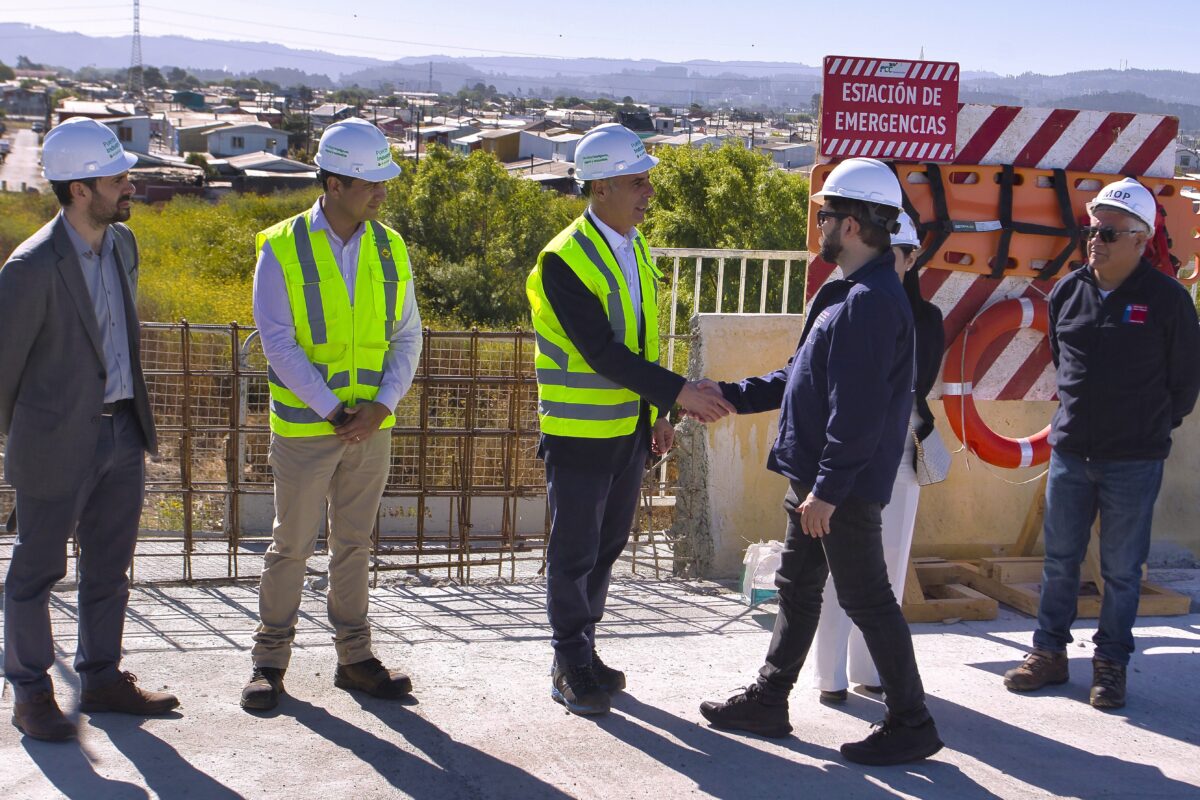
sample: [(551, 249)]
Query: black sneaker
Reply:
[(893, 743), (610, 680), (834, 697), (576, 688), (263, 690), (747, 711)]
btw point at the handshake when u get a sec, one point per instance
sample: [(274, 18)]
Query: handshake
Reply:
[(703, 401)]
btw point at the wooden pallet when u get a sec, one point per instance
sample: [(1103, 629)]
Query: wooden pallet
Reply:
[(1016, 582), (935, 591)]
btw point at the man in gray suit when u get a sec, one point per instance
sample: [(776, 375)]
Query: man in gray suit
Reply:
[(74, 406)]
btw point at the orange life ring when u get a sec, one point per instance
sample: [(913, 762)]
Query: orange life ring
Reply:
[(962, 359)]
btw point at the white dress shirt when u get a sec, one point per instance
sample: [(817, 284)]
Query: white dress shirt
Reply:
[(108, 301), (622, 247), (276, 326)]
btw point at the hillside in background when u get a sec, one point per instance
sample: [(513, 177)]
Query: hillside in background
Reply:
[(747, 83)]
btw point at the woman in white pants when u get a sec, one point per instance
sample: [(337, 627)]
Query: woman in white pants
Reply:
[(839, 652)]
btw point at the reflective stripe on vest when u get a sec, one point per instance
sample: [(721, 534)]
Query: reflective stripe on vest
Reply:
[(346, 343), (573, 400)]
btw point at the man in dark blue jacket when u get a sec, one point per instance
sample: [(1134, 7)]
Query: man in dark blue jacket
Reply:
[(1124, 338), (845, 398)]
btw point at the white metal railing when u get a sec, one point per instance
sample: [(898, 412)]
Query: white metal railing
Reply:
[(698, 283)]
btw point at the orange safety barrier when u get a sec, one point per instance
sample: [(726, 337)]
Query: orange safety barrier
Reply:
[(973, 195), (958, 375)]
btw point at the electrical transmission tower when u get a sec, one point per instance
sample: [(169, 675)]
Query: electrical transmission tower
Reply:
[(136, 84)]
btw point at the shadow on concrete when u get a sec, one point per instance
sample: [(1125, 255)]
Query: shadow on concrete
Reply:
[(70, 770), (166, 773), (723, 766), (1161, 689), (1059, 769), (457, 769)]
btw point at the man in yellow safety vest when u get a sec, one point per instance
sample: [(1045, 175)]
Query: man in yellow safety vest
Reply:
[(334, 304), (602, 399)]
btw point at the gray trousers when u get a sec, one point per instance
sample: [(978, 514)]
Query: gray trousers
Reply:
[(104, 513)]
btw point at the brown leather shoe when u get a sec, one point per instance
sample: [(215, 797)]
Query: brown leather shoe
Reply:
[(1040, 668), (372, 677), (1108, 684), (41, 718), (126, 697)]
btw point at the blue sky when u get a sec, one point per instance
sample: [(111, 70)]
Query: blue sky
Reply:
[(1008, 38)]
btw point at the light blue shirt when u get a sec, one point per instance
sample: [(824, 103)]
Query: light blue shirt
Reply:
[(622, 247), (108, 302), (276, 326)]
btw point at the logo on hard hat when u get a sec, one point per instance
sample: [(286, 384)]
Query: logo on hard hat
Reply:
[(112, 147), (337, 151), (384, 156), (1114, 194), (639, 149), (599, 158)]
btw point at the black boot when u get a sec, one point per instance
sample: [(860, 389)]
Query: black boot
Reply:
[(893, 743), (748, 711), (1108, 684), (610, 680), (576, 688)]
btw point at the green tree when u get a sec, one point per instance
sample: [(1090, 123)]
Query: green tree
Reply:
[(6, 72), (474, 232), (153, 77), (727, 197)]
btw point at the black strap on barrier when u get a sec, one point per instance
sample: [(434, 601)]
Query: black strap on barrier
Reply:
[(942, 225)]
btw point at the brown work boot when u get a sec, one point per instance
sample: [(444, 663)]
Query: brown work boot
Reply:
[(1040, 668), (263, 690), (1108, 683), (372, 677), (124, 696), (40, 718)]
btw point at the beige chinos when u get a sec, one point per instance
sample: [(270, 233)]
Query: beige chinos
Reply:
[(309, 471)]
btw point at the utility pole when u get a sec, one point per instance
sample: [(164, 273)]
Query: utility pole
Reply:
[(136, 83)]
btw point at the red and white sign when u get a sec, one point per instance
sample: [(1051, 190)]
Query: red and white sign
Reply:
[(883, 108)]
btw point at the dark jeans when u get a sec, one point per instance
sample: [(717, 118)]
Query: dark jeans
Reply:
[(1124, 493), (104, 513), (853, 553), (591, 514)]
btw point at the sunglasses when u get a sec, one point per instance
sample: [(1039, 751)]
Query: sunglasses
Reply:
[(824, 216), (1107, 233)]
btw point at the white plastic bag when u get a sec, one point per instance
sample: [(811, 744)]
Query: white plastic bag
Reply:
[(758, 580)]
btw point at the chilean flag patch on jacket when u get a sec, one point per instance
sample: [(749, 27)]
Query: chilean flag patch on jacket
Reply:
[(1136, 314)]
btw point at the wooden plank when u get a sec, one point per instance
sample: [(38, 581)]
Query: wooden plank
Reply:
[(1032, 528), (913, 594), (933, 573), (1019, 596), (1026, 569), (1091, 561)]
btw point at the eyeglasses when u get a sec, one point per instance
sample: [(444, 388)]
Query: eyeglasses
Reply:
[(1107, 233), (824, 216)]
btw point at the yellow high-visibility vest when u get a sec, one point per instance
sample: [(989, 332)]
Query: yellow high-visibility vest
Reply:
[(572, 399), (346, 343)]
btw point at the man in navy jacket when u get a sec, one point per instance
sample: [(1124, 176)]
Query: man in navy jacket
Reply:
[(845, 398), (1124, 338)]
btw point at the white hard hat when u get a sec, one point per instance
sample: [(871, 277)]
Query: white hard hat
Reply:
[(864, 179), (357, 149), (82, 148), (609, 150), (907, 234), (1129, 196)]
